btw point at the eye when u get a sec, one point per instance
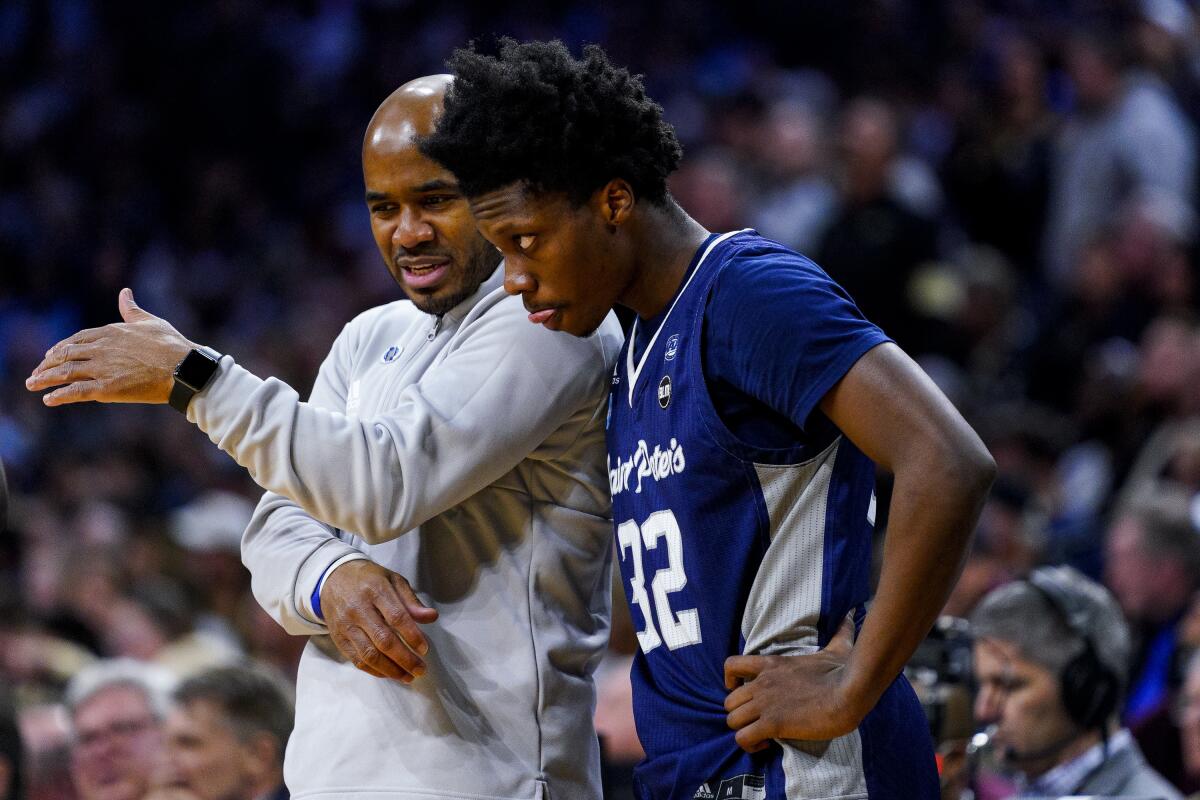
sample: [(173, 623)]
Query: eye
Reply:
[(436, 200), (381, 209), (525, 243)]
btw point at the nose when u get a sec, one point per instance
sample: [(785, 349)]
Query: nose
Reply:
[(988, 703), (516, 280), (411, 229)]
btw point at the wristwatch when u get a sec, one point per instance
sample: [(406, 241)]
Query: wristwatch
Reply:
[(192, 375)]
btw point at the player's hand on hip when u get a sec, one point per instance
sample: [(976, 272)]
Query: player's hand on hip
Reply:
[(792, 697), (127, 362), (373, 615)]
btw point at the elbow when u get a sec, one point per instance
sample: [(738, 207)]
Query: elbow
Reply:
[(971, 470), (373, 531), (959, 470), (980, 470)]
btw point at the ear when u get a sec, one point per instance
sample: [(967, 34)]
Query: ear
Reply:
[(615, 202), (262, 754)]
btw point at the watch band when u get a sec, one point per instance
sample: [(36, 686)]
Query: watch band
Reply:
[(192, 375)]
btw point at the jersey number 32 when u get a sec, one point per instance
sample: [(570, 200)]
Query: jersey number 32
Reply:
[(678, 629)]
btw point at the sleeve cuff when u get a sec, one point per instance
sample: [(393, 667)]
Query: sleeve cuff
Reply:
[(315, 599), (333, 553)]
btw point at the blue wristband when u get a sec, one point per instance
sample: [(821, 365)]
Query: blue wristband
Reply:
[(316, 595)]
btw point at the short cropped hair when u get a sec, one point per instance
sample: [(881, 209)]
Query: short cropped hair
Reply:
[(253, 700), (537, 116), (1164, 517), (154, 682), (1019, 614)]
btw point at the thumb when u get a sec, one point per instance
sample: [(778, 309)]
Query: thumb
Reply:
[(130, 310), (412, 604), (843, 640)]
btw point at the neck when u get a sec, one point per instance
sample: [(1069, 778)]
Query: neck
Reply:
[(664, 240), (1069, 752), (269, 784)]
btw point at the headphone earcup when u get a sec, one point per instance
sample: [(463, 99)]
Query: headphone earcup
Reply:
[(1089, 689)]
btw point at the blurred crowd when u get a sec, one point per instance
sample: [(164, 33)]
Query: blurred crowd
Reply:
[(1009, 188)]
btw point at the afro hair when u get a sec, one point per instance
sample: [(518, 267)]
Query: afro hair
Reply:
[(537, 116)]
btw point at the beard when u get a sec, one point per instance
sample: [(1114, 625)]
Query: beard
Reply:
[(478, 266)]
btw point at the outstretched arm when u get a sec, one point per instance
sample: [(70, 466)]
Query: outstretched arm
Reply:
[(496, 398), (893, 412)]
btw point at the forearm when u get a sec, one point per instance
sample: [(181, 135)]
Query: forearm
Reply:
[(375, 478), (935, 505), (286, 551)]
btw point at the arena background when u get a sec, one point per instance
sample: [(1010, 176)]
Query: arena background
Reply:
[(207, 155)]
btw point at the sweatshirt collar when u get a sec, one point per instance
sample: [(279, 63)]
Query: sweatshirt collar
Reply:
[(490, 284)]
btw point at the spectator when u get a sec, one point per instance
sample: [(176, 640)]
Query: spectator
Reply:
[(1153, 569), (117, 710), (800, 200), (1050, 655), (1188, 717), (1127, 135), (227, 734), (874, 245), (12, 751)]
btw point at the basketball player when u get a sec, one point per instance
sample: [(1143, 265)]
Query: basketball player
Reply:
[(746, 416)]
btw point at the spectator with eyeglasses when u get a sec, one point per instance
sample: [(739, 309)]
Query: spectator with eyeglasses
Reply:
[(116, 709)]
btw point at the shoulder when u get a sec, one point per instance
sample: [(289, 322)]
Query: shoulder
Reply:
[(500, 320), (760, 260), (1127, 772), (760, 273)]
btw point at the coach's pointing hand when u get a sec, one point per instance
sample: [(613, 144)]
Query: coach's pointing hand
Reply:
[(127, 362), (793, 697), (372, 614)]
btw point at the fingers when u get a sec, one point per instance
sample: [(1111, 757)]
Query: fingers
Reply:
[(80, 392), (740, 668), (391, 644), (738, 697), (130, 310), (368, 613), (69, 372), (367, 656), (742, 716), (754, 737), (65, 352), (349, 652), (412, 603)]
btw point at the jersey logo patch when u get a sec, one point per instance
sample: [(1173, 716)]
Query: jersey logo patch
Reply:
[(743, 787), (392, 354), (672, 346), (664, 391)]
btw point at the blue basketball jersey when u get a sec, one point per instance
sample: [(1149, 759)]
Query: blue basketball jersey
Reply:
[(727, 547)]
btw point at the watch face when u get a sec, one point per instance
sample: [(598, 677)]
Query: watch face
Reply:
[(196, 370)]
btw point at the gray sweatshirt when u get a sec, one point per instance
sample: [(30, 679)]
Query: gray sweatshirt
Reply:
[(468, 455)]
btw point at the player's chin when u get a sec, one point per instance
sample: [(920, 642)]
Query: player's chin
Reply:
[(582, 328)]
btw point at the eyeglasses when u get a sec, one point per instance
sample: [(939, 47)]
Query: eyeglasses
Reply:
[(118, 730)]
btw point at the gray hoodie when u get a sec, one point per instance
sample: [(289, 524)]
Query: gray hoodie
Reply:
[(467, 454)]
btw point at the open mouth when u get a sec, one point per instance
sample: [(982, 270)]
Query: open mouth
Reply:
[(423, 276)]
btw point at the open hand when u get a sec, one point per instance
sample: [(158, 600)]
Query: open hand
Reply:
[(792, 697), (372, 614), (127, 362)]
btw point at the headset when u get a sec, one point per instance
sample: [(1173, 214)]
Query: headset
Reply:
[(1089, 688)]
